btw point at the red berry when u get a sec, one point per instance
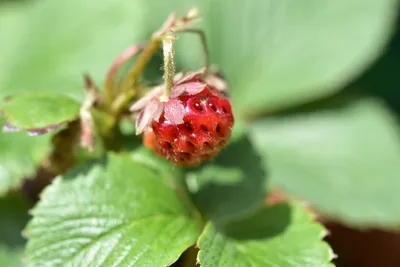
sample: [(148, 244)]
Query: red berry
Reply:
[(205, 124)]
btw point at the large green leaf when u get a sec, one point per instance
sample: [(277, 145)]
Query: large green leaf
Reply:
[(39, 110), (232, 185), (10, 257), (57, 41), (19, 156), (116, 212), (345, 161), (282, 53), (281, 235)]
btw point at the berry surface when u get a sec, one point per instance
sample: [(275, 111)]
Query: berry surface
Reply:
[(206, 128)]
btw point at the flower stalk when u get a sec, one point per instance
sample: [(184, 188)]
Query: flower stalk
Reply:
[(169, 65)]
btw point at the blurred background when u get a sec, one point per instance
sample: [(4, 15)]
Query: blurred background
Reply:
[(281, 58)]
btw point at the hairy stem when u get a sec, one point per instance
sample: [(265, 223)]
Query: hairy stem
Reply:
[(169, 65)]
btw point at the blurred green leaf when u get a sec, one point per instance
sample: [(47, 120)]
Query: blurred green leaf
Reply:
[(147, 157), (281, 235), (39, 110), (278, 54), (232, 185), (60, 40), (115, 212), (19, 157), (11, 257), (344, 161), (12, 24)]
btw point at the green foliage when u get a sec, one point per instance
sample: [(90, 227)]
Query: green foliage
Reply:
[(39, 110), (134, 208), (230, 186), (280, 235), (344, 160), (66, 39), (115, 211)]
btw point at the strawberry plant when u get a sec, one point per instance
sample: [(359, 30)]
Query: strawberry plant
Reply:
[(234, 153)]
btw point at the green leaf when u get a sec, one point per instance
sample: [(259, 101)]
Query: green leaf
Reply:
[(66, 39), (277, 54), (147, 157), (115, 212), (344, 161), (281, 235), (232, 185), (11, 257), (19, 157), (39, 110)]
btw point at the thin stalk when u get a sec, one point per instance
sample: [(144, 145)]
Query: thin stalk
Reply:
[(169, 66), (132, 77), (127, 92)]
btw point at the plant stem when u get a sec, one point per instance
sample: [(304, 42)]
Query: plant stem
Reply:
[(132, 78), (121, 59), (127, 92), (169, 65), (107, 127)]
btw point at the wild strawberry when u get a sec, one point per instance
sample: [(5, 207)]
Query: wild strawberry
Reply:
[(192, 126)]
